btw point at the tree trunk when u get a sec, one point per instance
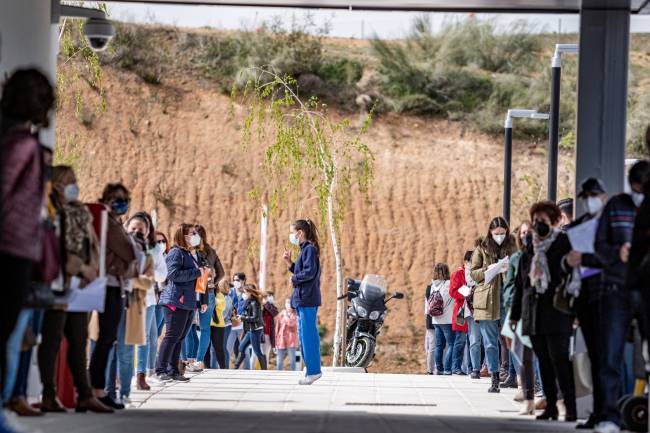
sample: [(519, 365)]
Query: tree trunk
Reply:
[(339, 331)]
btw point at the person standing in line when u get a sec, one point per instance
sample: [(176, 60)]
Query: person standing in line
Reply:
[(616, 305), (27, 98), (228, 312), (566, 207), (456, 283), (542, 270), (270, 311), (81, 259), (120, 266), (179, 300), (497, 245), (218, 322), (306, 297), (286, 336), (429, 335), (237, 330), (161, 282), (445, 336), (252, 316), (473, 331), (207, 300)]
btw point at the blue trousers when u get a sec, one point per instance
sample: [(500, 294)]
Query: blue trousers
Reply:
[(252, 338), (120, 362), (458, 352), (190, 344), (160, 318), (309, 339), (226, 336), (12, 356), (282, 353), (204, 324), (490, 334), (445, 337), (147, 353), (474, 344)]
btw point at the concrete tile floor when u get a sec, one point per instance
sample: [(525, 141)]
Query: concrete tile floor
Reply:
[(267, 402)]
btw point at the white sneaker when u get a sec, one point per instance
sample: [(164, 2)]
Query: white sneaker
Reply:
[(607, 427), (308, 380), (194, 367)]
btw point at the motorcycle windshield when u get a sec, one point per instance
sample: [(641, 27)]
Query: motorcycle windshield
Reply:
[(373, 287)]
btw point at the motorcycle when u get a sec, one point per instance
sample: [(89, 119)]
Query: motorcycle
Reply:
[(365, 318)]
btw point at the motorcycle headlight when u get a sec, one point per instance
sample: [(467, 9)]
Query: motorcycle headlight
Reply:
[(362, 311), (374, 315)]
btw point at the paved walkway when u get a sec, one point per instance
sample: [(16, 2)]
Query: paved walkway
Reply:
[(267, 402)]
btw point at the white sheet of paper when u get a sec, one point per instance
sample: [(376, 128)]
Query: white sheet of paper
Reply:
[(465, 291), (583, 236), (90, 298), (495, 269)]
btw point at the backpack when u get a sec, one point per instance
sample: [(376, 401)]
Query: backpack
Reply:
[(435, 304)]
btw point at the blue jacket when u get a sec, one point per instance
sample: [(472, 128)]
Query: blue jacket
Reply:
[(615, 228), (238, 303), (182, 274), (306, 278)]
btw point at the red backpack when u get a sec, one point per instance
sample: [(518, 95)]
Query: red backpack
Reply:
[(435, 304)]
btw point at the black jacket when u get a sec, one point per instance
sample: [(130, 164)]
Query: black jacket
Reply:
[(252, 316), (428, 318), (614, 230), (638, 276), (537, 312), (211, 260)]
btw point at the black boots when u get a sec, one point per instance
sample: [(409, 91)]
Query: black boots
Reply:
[(495, 383), (240, 360), (263, 363)]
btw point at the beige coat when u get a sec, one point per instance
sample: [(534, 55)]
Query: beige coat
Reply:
[(135, 315), (487, 297)]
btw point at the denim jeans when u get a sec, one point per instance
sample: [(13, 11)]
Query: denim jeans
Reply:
[(458, 351), (309, 339), (204, 324), (282, 353), (612, 327), (445, 337), (226, 336), (12, 355), (147, 353), (490, 335), (252, 338), (190, 343), (120, 362), (474, 344), (160, 318), (20, 388), (232, 342)]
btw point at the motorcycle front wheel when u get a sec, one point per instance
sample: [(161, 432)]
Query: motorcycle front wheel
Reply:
[(361, 354)]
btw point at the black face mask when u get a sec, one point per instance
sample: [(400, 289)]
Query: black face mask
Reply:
[(541, 228)]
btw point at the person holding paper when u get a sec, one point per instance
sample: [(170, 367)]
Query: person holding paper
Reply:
[(460, 292), (593, 196), (82, 261), (492, 254), (542, 269)]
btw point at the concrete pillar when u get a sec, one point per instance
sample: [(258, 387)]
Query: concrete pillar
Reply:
[(602, 93), (28, 38)]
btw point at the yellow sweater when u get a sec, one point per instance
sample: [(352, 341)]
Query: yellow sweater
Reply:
[(219, 307)]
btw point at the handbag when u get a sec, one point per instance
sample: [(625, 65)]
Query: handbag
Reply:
[(202, 282), (562, 301), (39, 295), (460, 316)]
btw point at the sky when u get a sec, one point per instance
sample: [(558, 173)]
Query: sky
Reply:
[(356, 24)]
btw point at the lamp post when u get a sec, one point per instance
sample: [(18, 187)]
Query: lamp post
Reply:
[(507, 160), (554, 122)]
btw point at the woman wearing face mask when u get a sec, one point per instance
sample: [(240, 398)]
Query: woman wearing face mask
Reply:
[(306, 297), (286, 336), (445, 336), (179, 300), (120, 266), (222, 309), (270, 313), (457, 284), (131, 331), (253, 325), (497, 245), (526, 370), (237, 330), (542, 267), (161, 281), (82, 261), (207, 300)]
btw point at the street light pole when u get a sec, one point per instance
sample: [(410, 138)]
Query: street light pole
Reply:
[(554, 122), (507, 160)]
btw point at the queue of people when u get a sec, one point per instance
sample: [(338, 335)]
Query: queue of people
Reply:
[(156, 298), (520, 297)]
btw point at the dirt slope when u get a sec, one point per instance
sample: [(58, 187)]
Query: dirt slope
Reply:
[(436, 189)]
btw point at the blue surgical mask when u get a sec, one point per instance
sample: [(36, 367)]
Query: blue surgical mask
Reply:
[(294, 239), (71, 192), (120, 206)]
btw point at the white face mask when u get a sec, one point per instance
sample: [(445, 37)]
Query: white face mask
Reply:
[(269, 299), (195, 240), (245, 296), (638, 198), (294, 239), (287, 306), (237, 285), (499, 239), (594, 205), (71, 192)]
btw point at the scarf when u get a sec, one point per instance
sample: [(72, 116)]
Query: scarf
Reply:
[(540, 275), (468, 278), (77, 220)]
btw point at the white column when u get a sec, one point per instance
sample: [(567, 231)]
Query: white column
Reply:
[(263, 246), (28, 39)]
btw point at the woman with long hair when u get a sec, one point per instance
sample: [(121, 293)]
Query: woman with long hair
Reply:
[(306, 297), (179, 300), (253, 326), (218, 324), (498, 244), (444, 333)]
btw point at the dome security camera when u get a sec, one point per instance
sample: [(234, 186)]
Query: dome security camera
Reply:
[(98, 33)]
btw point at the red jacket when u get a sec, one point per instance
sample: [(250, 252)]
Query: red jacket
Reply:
[(457, 281)]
